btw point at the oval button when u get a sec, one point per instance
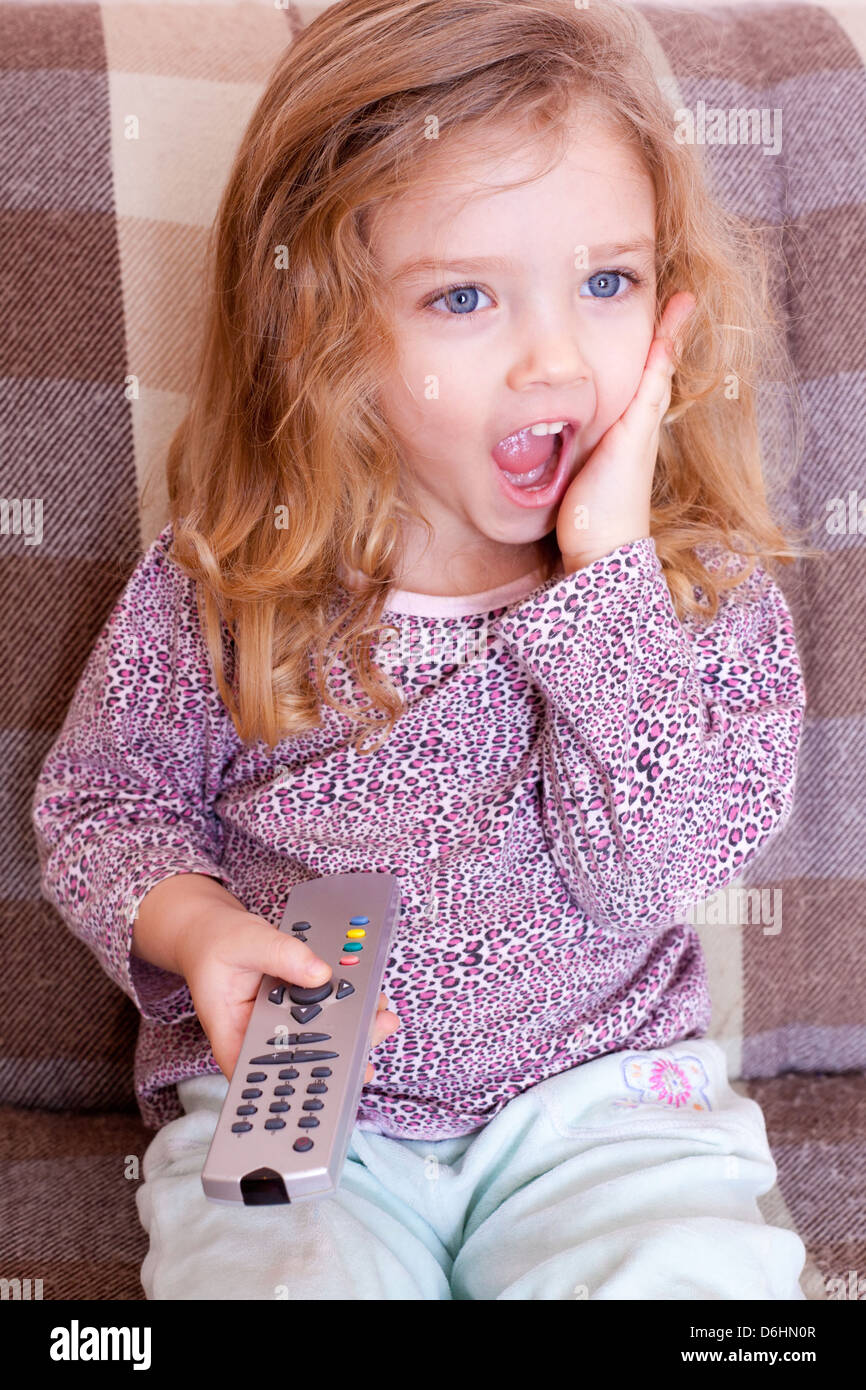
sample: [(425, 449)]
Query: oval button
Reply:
[(300, 995)]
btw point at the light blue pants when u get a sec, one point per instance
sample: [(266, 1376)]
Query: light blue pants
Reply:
[(632, 1176)]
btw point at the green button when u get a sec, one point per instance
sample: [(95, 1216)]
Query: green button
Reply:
[(354, 946)]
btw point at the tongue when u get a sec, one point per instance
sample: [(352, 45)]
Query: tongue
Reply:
[(521, 452)]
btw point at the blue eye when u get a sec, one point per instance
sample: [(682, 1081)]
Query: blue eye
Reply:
[(466, 297), (606, 280), (607, 283)]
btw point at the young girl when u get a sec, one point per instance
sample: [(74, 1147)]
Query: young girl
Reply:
[(466, 580)]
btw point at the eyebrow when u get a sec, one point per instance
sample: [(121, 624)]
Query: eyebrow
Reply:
[(422, 265)]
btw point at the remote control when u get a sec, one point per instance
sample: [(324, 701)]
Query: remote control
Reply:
[(285, 1125)]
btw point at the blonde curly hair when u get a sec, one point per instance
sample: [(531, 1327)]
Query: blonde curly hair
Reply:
[(284, 412)]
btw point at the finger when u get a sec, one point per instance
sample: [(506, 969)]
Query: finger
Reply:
[(385, 1023), (225, 1043), (286, 958), (655, 385), (678, 308), (668, 335), (664, 366), (370, 1070), (653, 395)]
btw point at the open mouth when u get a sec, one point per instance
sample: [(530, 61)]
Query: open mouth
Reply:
[(539, 483), (539, 476)]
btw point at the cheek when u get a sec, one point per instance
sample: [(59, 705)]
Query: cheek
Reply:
[(431, 407), (432, 376), (450, 387), (403, 395), (619, 374)]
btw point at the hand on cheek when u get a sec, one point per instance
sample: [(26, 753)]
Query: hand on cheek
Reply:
[(608, 502)]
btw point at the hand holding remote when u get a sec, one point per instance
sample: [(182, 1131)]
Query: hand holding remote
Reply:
[(297, 1076), (223, 959)]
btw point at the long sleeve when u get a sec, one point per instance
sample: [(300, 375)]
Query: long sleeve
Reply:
[(125, 796), (669, 749)]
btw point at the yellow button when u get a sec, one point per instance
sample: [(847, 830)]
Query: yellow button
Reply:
[(356, 931)]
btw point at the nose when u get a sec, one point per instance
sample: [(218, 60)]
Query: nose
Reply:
[(550, 355)]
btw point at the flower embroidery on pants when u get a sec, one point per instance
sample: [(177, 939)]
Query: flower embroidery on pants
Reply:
[(665, 1079)]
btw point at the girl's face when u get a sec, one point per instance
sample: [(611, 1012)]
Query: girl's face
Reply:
[(528, 313)]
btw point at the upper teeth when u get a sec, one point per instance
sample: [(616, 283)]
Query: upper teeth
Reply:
[(548, 429)]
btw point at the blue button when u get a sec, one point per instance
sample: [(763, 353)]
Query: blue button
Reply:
[(358, 921)]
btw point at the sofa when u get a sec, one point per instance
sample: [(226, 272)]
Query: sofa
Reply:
[(106, 213)]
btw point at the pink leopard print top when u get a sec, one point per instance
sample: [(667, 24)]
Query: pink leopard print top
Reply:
[(574, 770)]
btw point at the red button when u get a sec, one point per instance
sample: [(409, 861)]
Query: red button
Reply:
[(349, 960)]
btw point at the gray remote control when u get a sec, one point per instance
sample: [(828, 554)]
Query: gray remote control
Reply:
[(284, 1129)]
